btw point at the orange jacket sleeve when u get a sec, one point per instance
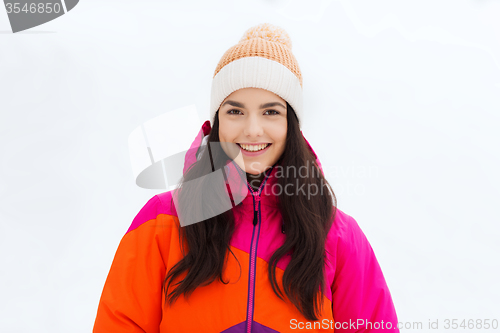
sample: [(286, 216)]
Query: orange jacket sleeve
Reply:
[(131, 299)]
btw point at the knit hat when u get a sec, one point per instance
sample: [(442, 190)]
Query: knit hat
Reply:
[(262, 58)]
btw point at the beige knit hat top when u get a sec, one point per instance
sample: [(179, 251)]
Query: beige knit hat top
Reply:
[(262, 58)]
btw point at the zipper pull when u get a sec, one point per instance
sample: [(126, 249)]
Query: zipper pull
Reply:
[(256, 196), (256, 210)]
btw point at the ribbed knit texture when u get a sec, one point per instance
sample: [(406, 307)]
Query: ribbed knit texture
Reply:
[(258, 47), (256, 72)]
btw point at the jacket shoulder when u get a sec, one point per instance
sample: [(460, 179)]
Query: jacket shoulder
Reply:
[(159, 204), (345, 234), (343, 225)]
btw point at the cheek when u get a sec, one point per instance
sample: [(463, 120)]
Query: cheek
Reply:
[(279, 135), (224, 132), (280, 147), (227, 136)]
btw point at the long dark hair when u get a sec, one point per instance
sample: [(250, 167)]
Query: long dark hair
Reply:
[(307, 219)]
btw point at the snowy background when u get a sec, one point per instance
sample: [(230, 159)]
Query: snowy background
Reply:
[(403, 107)]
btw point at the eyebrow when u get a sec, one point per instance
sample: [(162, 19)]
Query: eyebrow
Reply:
[(262, 106)]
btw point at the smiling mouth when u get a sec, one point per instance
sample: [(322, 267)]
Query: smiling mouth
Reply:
[(254, 148)]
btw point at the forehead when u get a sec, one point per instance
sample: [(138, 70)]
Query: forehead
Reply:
[(254, 95)]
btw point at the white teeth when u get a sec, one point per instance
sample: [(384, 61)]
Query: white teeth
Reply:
[(254, 147)]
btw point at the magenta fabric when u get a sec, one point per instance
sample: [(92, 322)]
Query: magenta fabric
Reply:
[(148, 212), (159, 204), (190, 157)]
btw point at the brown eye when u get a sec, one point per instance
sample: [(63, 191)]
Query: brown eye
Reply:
[(235, 111), (275, 112)]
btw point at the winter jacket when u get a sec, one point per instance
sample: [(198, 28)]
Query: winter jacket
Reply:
[(358, 299)]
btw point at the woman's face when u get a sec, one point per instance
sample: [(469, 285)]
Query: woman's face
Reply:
[(253, 121)]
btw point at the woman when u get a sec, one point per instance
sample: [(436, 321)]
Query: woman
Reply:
[(251, 241)]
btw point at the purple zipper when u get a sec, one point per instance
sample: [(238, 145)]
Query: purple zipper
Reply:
[(253, 253)]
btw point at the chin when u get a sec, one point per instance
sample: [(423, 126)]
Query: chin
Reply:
[(253, 171)]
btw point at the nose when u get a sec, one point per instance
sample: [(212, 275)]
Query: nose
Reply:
[(253, 127)]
